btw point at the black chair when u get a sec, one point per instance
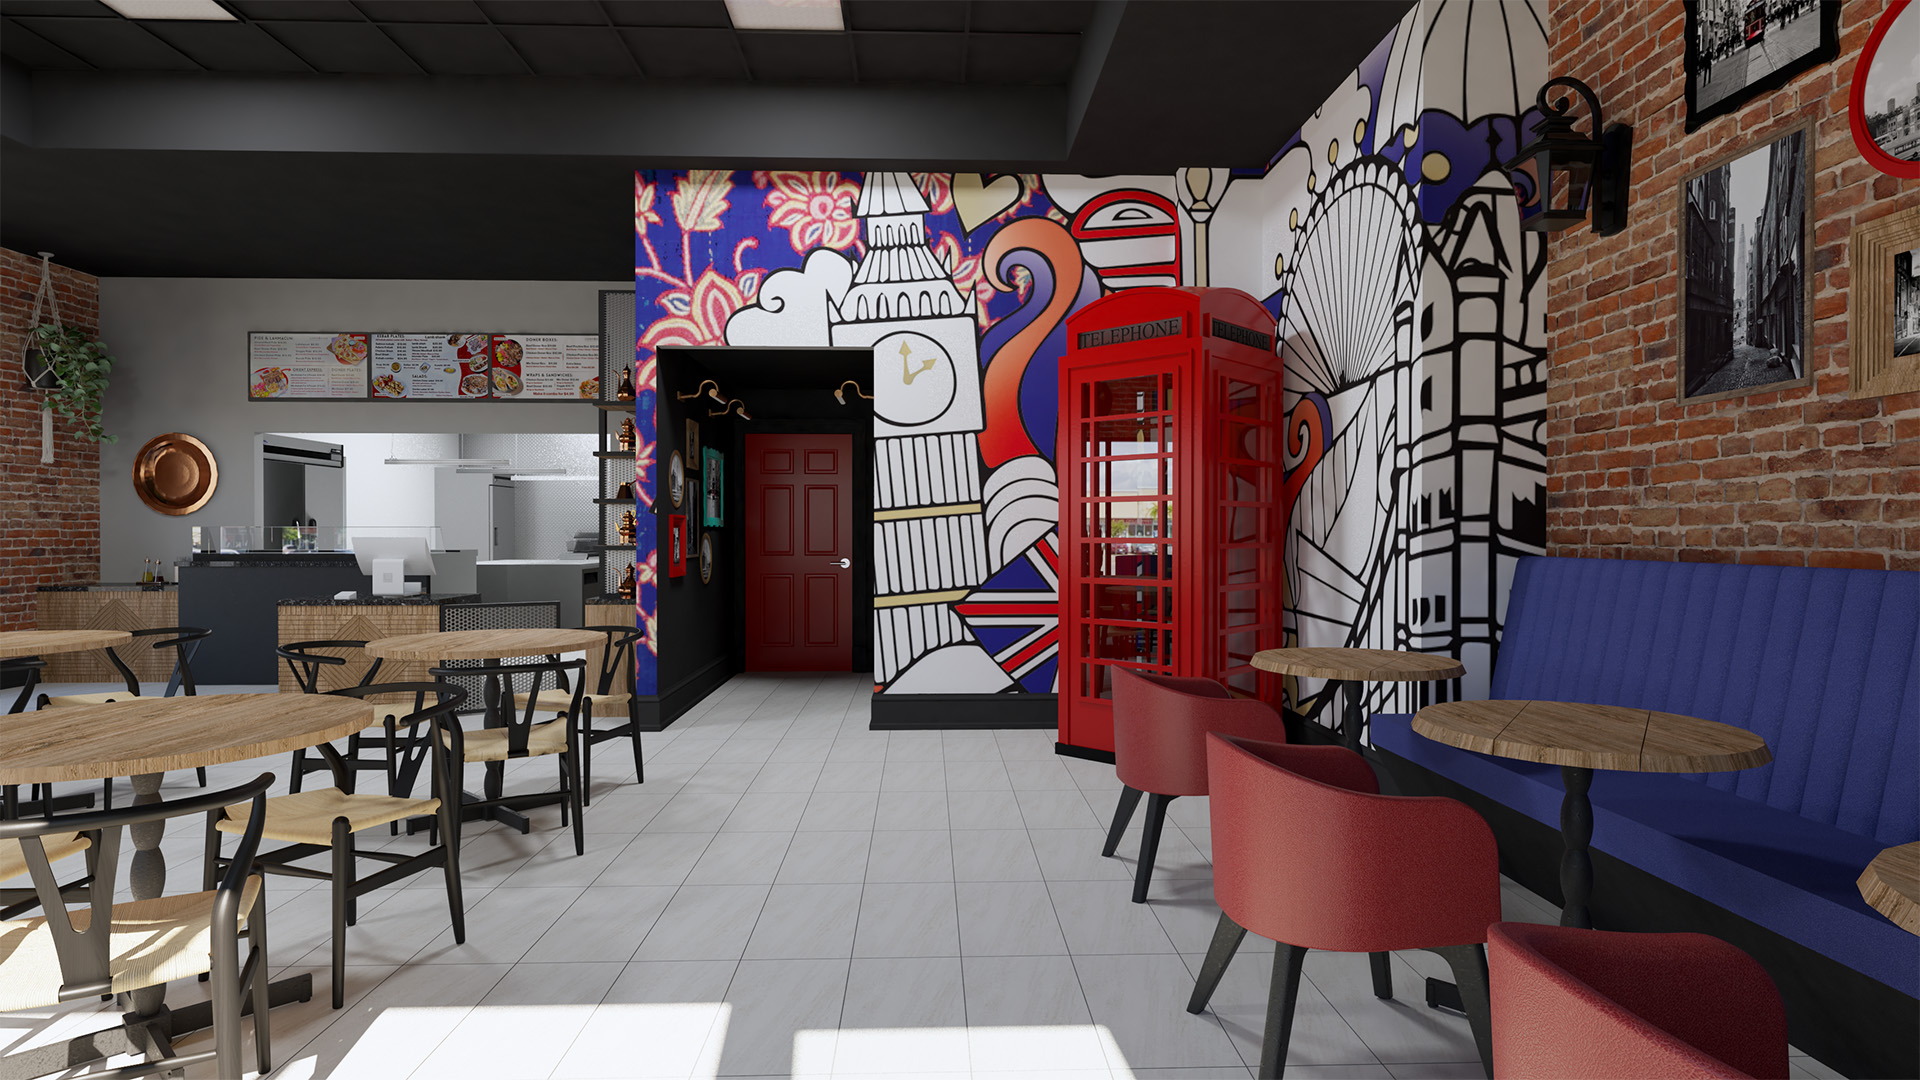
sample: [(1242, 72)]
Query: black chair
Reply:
[(185, 641), (47, 961), (325, 821), (603, 701), (510, 737), (13, 863), (306, 664)]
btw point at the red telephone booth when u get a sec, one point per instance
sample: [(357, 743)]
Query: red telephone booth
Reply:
[(1170, 482)]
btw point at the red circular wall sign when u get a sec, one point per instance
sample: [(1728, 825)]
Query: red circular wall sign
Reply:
[(1856, 106)]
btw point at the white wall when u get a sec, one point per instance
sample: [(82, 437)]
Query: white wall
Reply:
[(181, 345)]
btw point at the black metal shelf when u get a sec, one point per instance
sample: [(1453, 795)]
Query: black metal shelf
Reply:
[(613, 502), (624, 455), (613, 547), (614, 406)]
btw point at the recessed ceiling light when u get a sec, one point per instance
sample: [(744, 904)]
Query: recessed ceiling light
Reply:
[(195, 10), (785, 14)]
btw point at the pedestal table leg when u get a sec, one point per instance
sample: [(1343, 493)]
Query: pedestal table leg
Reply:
[(1576, 864), (147, 879), (1350, 696)]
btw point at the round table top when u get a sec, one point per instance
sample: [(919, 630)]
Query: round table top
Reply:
[(1360, 665), (150, 735), (17, 643), (484, 644), (1592, 736), (1891, 884)]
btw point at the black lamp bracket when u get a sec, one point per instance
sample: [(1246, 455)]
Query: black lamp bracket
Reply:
[(1560, 106)]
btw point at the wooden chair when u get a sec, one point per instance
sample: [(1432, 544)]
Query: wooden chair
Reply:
[(306, 663), (13, 864), (510, 737), (325, 821), (57, 958), (604, 700), (185, 641)]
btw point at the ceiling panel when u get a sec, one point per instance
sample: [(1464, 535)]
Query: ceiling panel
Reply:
[(73, 8), (114, 44), (426, 11), (457, 50), (545, 12), (23, 46), (227, 46), (797, 57), (893, 15), (572, 50), (686, 53), (906, 57), (1032, 16), (701, 13), (318, 10), (344, 48), (1022, 59)]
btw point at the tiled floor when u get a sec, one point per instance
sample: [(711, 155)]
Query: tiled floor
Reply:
[(791, 894)]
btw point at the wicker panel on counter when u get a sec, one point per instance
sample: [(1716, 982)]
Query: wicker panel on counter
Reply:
[(117, 609), (356, 622)]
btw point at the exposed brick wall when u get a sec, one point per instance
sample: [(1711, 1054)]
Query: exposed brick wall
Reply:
[(1804, 476), (49, 514)]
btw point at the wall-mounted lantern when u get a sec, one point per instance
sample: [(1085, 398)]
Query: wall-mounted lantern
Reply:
[(1576, 175)]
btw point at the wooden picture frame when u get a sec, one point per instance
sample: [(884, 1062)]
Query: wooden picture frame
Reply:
[(1875, 329), (1746, 290), (1713, 59), (693, 441)]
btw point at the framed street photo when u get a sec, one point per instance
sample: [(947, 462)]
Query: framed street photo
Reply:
[(676, 545), (1746, 298), (693, 441), (676, 479), (1884, 306), (713, 476), (1740, 49)]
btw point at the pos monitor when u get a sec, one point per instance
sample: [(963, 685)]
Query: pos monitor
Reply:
[(389, 559)]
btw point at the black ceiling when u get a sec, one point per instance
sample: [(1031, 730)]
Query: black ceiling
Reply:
[(497, 138)]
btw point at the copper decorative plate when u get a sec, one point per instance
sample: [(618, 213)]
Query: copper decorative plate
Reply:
[(175, 474)]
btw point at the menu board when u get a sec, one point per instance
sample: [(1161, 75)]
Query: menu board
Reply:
[(426, 367), (307, 367), (546, 367)]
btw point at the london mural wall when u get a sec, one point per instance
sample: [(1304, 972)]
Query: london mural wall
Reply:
[(1382, 235)]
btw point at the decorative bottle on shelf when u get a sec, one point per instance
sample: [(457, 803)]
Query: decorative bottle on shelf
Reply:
[(625, 491), (629, 527), (626, 583), (627, 433), (625, 393)]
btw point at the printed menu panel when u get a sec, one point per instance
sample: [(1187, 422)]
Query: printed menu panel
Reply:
[(546, 367), (307, 367), (419, 367)]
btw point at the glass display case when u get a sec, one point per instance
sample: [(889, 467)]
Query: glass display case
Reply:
[(294, 539), (1170, 480)]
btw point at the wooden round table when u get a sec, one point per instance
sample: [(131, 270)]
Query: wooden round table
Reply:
[(1891, 885), (1580, 739), (1351, 667), (25, 644), (143, 738)]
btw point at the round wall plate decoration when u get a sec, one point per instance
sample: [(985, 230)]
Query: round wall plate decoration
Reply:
[(175, 474), (706, 557), (1884, 108), (676, 478)]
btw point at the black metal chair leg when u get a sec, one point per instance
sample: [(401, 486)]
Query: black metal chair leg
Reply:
[(1281, 994), (1227, 936), (299, 769), (201, 775), (1122, 814), (1469, 964), (1149, 844), (633, 731), (1382, 964), (262, 1006), (342, 878), (586, 753), (579, 811)]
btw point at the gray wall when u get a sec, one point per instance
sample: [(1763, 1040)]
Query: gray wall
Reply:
[(181, 345)]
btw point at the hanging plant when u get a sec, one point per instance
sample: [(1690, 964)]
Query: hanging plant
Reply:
[(76, 369)]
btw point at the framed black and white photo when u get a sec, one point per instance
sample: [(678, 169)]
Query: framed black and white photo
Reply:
[(1884, 106), (1746, 299), (1884, 306), (1739, 49), (676, 479)]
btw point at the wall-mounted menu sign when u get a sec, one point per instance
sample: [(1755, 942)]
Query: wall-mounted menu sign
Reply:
[(307, 367), (445, 367), (546, 367)]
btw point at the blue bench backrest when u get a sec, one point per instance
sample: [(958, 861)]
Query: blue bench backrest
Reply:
[(1823, 664)]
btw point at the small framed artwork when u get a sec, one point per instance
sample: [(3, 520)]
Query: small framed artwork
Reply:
[(706, 558), (1746, 299), (693, 441), (1740, 49), (713, 473), (676, 479), (676, 545), (1884, 309), (1884, 108)]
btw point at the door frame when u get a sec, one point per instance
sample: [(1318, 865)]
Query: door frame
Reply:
[(859, 425)]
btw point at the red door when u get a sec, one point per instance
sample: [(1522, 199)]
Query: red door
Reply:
[(799, 552)]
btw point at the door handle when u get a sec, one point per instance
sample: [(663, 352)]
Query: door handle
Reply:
[(843, 563)]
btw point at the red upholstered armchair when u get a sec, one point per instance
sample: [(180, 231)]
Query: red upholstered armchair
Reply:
[(1308, 853), (1160, 725), (1581, 1003)]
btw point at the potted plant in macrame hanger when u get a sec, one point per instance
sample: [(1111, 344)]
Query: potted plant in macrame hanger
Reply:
[(67, 366)]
